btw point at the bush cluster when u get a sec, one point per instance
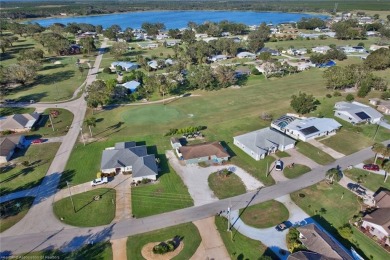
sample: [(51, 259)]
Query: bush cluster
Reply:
[(184, 130), (164, 247)]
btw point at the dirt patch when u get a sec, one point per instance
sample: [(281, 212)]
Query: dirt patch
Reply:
[(147, 252)]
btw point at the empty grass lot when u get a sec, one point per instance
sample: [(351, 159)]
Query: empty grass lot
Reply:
[(241, 247), (14, 211), (101, 250), (89, 212), (188, 232), (226, 186), (314, 153), (18, 177), (61, 123), (295, 171), (264, 215), (369, 180), (336, 213)]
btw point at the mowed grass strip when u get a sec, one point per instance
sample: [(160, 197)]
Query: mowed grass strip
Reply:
[(17, 177), (369, 180), (89, 212), (314, 153), (61, 123), (100, 250), (240, 246), (295, 171), (332, 206), (13, 211), (264, 215), (7, 111), (226, 186), (188, 232)]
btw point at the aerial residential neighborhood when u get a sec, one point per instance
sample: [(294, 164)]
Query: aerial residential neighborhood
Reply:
[(197, 130)]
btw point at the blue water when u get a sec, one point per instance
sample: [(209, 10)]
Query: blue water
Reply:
[(179, 19)]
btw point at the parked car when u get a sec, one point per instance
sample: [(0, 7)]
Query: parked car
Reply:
[(37, 141), (99, 181), (282, 226), (278, 165), (371, 167)]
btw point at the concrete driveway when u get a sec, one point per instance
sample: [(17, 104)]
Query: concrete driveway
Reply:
[(196, 179)]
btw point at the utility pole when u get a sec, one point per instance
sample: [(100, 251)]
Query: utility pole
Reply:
[(229, 229), (51, 122), (82, 136), (70, 194), (266, 170), (376, 131)]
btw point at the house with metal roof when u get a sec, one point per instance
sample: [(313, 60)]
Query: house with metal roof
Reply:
[(305, 129), (19, 122), (246, 54), (356, 113), (218, 58), (212, 152), (128, 157), (125, 65), (131, 86), (260, 143)]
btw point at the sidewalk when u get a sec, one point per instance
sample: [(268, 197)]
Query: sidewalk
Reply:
[(119, 249)]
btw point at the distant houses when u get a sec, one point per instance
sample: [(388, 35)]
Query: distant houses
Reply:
[(305, 129), (8, 145), (19, 122), (260, 143), (147, 45), (212, 152), (218, 58), (356, 113), (246, 54), (127, 157), (125, 65), (321, 49)]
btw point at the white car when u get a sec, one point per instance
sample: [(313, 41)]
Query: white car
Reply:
[(99, 181), (278, 165)]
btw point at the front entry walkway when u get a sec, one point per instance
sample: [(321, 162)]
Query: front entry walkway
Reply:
[(119, 249), (326, 149)]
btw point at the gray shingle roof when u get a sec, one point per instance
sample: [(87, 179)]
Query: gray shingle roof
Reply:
[(260, 141), (355, 107)]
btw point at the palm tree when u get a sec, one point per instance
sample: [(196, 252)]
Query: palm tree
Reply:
[(386, 168), (91, 122), (377, 148), (333, 174)]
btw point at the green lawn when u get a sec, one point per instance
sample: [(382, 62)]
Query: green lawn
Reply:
[(18, 177), (188, 233), (295, 171), (60, 123), (369, 180), (339, 206), (7, 111), (264, 215), (13, 211), (98, 251), (88, 211), (314, 153), (240, 247), (282, 154), (226, 187)]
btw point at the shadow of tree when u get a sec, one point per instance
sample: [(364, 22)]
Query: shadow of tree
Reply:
[(66, 176), (53, 78), (14, 207)]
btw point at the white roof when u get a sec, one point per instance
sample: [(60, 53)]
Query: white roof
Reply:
[(313, 125), (245, 54), (355, 107)]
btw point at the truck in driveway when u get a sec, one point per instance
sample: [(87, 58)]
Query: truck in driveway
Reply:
[(99, 181)]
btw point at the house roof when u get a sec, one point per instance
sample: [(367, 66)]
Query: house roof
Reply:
[(357, 111), (260, 141), (306, 255), (320, 242), (124, 64), (132, 85), (382, 199), (8, 144), (266, 49), (153, 64), (19, 121), (203, 150), (246, 54), (128, 154), (380, 217)]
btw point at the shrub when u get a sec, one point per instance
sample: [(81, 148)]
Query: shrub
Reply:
[(336, 94), (385, 95), (6, 132), (345, 231), (349, 97), (255, 71), (145, 181), (25, 163), (328, 95), (361, 44), (107, 70)]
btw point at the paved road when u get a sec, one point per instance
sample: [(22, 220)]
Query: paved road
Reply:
[(69, 238)]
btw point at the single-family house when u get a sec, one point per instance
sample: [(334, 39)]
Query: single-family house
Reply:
[(225, 34), (377, 222), (305, 129), (153, 64), (170, 43), (161, 36), (242, 72), (131, 86), (246, 54), (318, 241), (270, 51), (19, 122), (175, 143), (347, 49), (128, 157), (147, 45), (201, 35), (260, 143), (125, 65), (356, 113), (218, 58), (384, 107), (8, 145), (321, 49), (359, 49), (212, 152), (301, 51)]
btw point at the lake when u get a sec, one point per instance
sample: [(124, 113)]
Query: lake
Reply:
[(179, 19)]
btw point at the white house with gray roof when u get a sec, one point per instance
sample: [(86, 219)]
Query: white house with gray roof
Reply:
[(128, 157), (305, 128), (258, 144), (356, 113)]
